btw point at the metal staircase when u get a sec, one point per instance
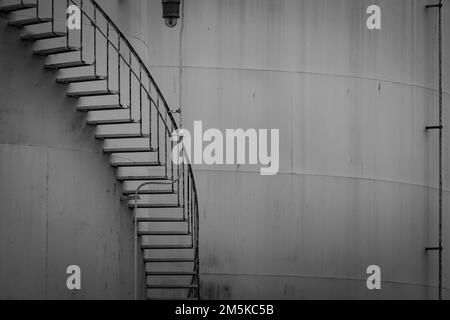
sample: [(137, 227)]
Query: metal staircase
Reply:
[(112, 84)]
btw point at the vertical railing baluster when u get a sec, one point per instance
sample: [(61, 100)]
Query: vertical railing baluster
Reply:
[(191, 215), (170, 143), (149, 112), (67, 25), (157, 129), (178, 176), (197, 260), (130, 85), (183, 173), (53, 16), (189, 199), (188, 204), (165, 141), (107, 56), (140, 102), (95, 42), (119, 62), (81, 31)]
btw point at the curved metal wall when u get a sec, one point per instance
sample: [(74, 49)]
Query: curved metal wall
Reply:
[(60, 199), (358, 171)]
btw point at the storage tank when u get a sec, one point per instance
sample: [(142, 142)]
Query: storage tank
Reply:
[(60, 199), (358, 171), (358, 176)]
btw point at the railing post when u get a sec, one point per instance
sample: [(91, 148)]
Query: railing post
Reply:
[(119, 62), (131, 91), (67, 25), (95, 41), (157, 128), (140, 101), (81, 30), (53, 16)]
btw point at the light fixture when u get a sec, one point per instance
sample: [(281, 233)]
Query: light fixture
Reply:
[(171, 12)]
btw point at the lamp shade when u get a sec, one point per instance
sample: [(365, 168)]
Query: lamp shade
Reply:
[(171, 9)]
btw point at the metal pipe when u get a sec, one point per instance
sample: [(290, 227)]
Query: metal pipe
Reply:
[(440, 127), (440, 149)]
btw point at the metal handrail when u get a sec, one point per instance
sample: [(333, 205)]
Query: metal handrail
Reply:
[(142, 64), (122, 40)]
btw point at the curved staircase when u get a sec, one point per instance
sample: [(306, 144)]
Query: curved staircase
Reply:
[(114, 87)]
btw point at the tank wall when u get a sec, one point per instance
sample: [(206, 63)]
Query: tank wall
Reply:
[(358, 172), (60, 199)]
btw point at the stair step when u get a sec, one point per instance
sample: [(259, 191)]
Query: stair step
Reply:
[(80, 79), (166, 299), (43, 36), (69, 64), (93, 93), (161, 220), (101, 107), (112, 121), (57, 50), (170, 273), (117, 116), (138, 157), (28, 22), (141, 172), (138, 178), (121, 135), (165, 260), (17, 7), (163, 246), (163, 233), (130, 150), (143, 192), (161, 186), (162, 213), (172, 286), (136, 164), (122, 131), (154, 205)]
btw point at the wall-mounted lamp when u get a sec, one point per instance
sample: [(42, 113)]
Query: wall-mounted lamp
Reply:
[(171, 12)]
